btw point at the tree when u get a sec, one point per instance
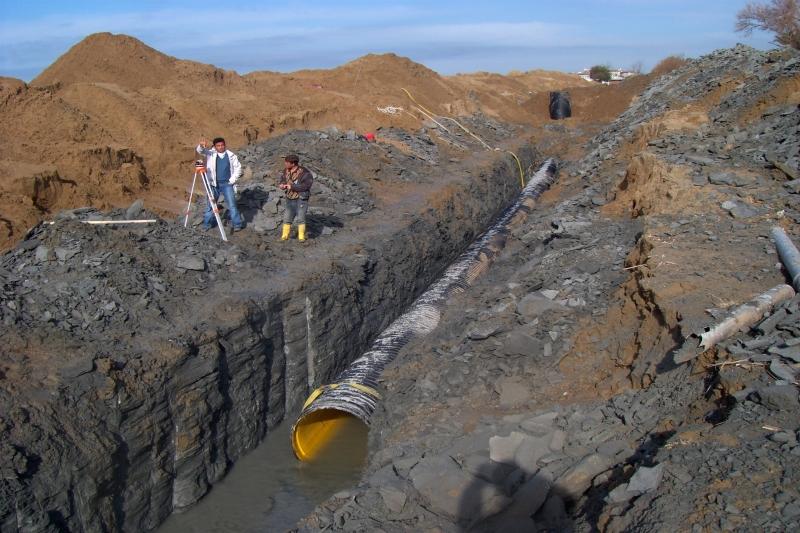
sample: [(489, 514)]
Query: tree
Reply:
[(637, 67), (600, 73), (667, 65), (781, 17)]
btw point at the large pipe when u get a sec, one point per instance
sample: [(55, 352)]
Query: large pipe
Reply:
[(788, 254), (354, 392)]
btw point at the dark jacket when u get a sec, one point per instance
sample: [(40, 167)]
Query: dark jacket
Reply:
[(300, 185)]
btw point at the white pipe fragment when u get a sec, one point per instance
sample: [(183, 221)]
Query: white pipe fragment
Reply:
[(141, 221), (745, 315)]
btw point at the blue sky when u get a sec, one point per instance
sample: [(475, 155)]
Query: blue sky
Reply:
[(447, 36)]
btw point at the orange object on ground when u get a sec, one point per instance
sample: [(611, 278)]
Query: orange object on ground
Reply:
[(369, 137)]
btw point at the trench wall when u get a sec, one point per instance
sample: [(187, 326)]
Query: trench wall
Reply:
[(178, 427)]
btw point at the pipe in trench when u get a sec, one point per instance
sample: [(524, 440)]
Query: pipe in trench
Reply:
[(329, 410)]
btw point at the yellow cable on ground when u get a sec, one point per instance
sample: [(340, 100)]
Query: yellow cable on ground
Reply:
[(519, 165), (469, 132), (430, 114)]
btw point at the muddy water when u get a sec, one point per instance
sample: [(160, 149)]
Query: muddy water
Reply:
[(270, 490)]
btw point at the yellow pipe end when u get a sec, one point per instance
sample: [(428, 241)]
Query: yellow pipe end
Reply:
[(317, 431)]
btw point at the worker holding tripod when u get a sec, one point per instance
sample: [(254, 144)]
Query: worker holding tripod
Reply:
[(223, 169), (296, 183)]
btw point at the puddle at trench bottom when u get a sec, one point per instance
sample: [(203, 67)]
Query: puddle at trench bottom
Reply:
[(270, 490)]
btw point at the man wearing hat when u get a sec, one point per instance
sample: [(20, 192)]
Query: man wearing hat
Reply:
[(296, 183)]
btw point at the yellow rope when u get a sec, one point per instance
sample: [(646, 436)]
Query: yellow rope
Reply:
[(325, 388), (430, 114), (367, 390)]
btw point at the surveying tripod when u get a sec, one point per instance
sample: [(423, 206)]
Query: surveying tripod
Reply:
[(200, 170)]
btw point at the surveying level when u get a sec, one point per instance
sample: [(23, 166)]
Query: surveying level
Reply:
[(200, 170)]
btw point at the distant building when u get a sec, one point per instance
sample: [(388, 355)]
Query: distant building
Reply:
[(617, 74)]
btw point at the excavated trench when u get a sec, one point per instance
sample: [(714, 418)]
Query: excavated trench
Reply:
[(268, 490), (205, 391)]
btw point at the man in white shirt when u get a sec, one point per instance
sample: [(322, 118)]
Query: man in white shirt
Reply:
[(223, 170)]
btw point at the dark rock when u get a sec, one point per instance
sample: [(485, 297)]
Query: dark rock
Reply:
[(598, 201), (503, 449), (82, 366), (739, 209), (190, 262), (577, 480), (729, 178), (66, 253), (135, 209), (782, 371), (531, 495), (454, 493), (646, 479), (530, 450), (486, 329), (393, 497), (767, 326), (513, 391), (518, 343), (42, 254), (479, 464), (613, 448), (791, 511), (535, 304), (778, 397), (790, 352), (552, 516), (793, 186), (620, 494)]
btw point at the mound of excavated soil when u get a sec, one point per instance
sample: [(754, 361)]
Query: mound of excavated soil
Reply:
[(113, 119)]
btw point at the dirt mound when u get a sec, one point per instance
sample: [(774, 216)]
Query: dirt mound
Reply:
[(114, 94), (108, 58)]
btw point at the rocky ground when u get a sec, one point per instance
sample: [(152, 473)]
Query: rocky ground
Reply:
[(548, 399)]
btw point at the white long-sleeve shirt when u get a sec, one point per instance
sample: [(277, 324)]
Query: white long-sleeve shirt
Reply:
[(211, 163)]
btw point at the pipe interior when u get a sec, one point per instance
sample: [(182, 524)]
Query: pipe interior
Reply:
[(318, 433)]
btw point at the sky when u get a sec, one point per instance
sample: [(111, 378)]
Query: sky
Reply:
[(447, 36)]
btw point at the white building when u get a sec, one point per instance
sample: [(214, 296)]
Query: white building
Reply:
[(617, 74)]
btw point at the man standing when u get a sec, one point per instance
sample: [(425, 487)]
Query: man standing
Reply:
[(223, 169), (296, 183)]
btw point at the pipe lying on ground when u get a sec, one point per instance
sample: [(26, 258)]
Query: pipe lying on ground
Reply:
[(99, 222), (788, 253), (354, 392), (745, 315)]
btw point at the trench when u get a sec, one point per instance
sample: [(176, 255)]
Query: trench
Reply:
[(191, 422), (268, 490)]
